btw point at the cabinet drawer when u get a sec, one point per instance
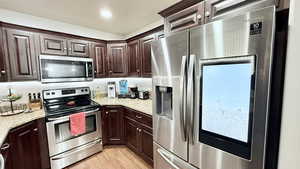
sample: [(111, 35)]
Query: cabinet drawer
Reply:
[(144, 119), (187, 18)]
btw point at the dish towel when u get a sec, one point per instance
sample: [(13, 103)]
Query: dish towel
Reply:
[(77, 123)]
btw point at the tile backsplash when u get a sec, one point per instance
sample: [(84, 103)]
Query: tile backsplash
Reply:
[(24, 88)]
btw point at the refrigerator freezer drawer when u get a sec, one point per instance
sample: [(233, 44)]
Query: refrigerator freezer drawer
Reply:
[(164, 159)]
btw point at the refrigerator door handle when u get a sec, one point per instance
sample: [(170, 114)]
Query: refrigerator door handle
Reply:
[(182, 103), (190, 97), (164, 154)]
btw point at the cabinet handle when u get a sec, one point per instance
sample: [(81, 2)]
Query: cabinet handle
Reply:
[(207, 14), (139, 117), (35, 130), (5, 146), (2, 72)]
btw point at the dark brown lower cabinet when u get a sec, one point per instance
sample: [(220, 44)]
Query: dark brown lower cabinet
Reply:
[(112, 125), (27, 147), (138, 134)]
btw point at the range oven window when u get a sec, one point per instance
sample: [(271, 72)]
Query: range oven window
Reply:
[(52, 69), (63, 131), (227, 93)]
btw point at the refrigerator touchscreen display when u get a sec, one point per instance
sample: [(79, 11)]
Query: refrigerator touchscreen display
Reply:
[(226, 104)]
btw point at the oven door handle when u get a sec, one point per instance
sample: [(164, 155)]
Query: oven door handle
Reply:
[(65, 155), (65, 118)]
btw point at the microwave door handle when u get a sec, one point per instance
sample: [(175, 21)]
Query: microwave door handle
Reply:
[(182, 103), (190, 98), (66, 118)]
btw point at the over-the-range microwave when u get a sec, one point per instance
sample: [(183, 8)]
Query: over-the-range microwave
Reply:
[(65, 69)]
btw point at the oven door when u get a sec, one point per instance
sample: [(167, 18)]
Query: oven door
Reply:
[(59, 134), (52, 69)]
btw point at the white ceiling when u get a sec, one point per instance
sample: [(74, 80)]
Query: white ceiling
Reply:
[(128, 15)]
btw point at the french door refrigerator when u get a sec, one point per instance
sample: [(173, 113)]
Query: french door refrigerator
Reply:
[(211, 91)]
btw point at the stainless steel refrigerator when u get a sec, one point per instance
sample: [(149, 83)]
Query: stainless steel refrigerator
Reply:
[(211, 92)]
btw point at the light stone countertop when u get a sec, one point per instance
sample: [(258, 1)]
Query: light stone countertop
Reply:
[(144, 106), (10, 122)]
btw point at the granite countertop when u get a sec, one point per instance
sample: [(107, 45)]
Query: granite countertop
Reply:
[(9, 122), (144, 106)]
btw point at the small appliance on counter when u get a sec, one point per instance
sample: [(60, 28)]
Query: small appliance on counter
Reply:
[(111, 90), (144, 95), (133, 92), (123, 87)]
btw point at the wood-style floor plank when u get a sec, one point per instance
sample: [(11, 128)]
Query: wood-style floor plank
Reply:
[(112, 157)]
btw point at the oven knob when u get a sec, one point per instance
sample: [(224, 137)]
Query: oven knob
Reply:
[(47, 94), (53, 93), (86, 90), (82, 90)]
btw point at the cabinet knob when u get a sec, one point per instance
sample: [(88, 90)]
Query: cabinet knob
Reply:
[(137, 129), (65, 49), (2, 72), (140, 130), (138, 70), (35, 130), (207, 14), (95, 71), (106, 112), (5, 146), (139, 117)]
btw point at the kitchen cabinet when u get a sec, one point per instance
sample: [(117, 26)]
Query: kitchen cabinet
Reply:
[(78, 47), (98, 53), (133, 54), (26, 147), (112, 125), (117, 60), (53, 45), (21, 55), (60, 45), (138, 134), (5, 150), (3, 72), (145, 47), (187, 18)]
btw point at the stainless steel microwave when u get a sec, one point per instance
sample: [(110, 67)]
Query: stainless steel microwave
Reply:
[(65, 69)]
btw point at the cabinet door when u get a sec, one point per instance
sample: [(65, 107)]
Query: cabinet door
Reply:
[(187, 18), (25, 151), (146, 55), (98, 53), (131, 134), (133, 54), (5, 150), (117, 60), (78, 48), (115, 127), (104, 125), (146, 143), (3, 71), (22, 55), (53, 45)]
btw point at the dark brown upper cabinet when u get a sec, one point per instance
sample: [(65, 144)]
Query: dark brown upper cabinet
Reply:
[(78, 48), (98, 53), (133, 54), (3, 71), (187, 18), (21, 55), (145, 47), (53, 45), (117, 60)]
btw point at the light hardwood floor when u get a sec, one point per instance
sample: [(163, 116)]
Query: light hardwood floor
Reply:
[(112, 157)]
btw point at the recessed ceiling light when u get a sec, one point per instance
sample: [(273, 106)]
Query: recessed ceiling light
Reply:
[(105, 13)]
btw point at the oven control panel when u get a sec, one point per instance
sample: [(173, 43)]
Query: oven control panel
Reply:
[(58, 93)]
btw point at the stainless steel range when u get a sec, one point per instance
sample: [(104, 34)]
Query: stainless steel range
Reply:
[(64, 148)]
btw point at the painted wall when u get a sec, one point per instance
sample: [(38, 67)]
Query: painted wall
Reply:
[(52, 25), (289, 154)]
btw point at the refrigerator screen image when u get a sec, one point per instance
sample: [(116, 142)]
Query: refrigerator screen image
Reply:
[(226, 105)]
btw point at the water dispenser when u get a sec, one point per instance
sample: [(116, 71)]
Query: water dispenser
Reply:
[(164, 101)]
